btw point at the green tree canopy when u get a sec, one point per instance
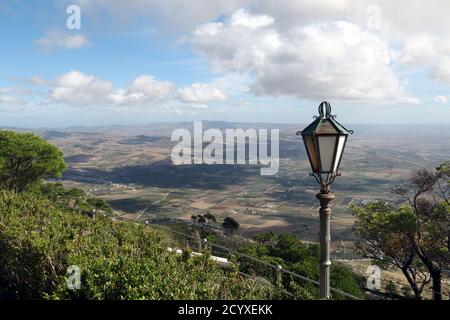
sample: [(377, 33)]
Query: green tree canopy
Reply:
[(416, 236), (387, 232), (26, 159), (229, 222)]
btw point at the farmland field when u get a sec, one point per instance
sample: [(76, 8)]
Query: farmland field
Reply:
[(130, 167)]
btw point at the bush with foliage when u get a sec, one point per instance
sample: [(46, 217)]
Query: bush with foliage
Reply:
[(291, 254), (71, 199), (391, 289), (118, 260)]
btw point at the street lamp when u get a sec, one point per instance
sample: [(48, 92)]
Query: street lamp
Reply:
[(324, 141)]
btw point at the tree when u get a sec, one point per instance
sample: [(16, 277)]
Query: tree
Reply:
[(201, 220), (210, 218), (416, 236), (230, 225), (386, 233), (427, 193), (26, 159)]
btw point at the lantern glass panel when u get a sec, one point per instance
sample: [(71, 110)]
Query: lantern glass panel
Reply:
[(340, 150), (327, 146), (312, 152)]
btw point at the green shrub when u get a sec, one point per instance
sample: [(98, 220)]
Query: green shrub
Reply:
[(118, 260), (71, 199), (292, 254), (407, 292), (391, 289)]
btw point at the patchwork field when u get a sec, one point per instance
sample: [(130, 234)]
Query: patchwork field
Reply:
[(130, 167)]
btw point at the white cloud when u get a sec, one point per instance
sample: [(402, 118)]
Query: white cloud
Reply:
[(168, 16), (11, 90), (78, 89), (200, 93), (441, 70), (12, 99), (430, 53), (440, 99), (419, 43), (7, 100), (62, 40), (335, 60), (151, 87), (37, 81), (242, 18), (409, 100)]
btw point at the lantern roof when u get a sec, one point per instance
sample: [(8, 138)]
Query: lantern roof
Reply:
[(325, 123)]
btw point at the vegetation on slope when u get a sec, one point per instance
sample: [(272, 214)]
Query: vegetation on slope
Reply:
[(39, 242), (73, 199), (291, 254)]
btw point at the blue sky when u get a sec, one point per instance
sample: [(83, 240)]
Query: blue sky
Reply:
[(147, 61)]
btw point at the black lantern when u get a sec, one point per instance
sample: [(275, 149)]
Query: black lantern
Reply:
[(324, 141)]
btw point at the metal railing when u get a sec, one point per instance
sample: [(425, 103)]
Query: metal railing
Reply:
[(275, 267)]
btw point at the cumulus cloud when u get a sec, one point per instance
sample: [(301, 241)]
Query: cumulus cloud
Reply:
[(440, 99), (79, 89), (38, 81), (11, 90), (7, 100), (441, 70), (410, 100), (399, 41), (335, 60), (200, 93), (169, 16), (428, 52), (62, 40), (151, 87), (11, 99)]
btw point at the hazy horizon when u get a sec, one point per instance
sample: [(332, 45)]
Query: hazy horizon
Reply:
[(144, 124)]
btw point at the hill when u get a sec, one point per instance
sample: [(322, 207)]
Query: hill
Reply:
[(118, 260)]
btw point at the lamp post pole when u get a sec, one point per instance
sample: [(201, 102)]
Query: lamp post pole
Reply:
[(325, 239)]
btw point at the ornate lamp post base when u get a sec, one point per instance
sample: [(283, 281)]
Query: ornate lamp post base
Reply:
[(325, 239)]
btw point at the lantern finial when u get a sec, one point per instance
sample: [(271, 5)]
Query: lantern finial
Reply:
[(324, 109)]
